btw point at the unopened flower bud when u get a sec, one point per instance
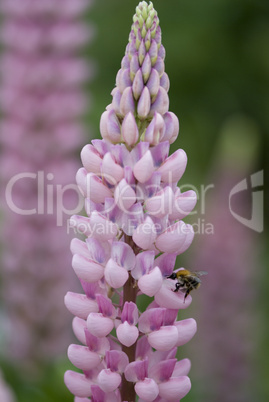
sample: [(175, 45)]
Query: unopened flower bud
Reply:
[(129, 129)]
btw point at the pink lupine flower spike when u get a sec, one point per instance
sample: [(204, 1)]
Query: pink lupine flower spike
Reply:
[(134, 232)]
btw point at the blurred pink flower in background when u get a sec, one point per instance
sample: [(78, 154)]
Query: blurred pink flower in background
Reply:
[(41, 98), (6, 395), (227, 311)]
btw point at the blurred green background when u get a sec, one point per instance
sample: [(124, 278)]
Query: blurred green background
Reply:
[(217, 59)]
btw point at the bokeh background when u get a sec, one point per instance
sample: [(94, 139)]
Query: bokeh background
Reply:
[(217, 60)]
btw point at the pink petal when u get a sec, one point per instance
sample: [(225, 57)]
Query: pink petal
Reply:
[(123, 79), (123, 254), (111, 171), (145, 234), (99, 325), (144, 168), (81, 179), (96, 190), (163, 339), (80, 305), (113, 127), (129, 129), (116, 360), (175, 388), (127, 334), (115, 106), (87, 269), (153, 83), (147, 390), (169, 299), (171, 127), (105, 306), (182, 368), (79, 325), (130, 313), (189, 238), (138, 84), (98, 394), (162, 370), (91, 159), (82, 357), (153, 51), (161, 204), (102, 228), (115, 275), (164, 82), (155, 130), (159, 153), (186, 330), (146, 68), (151, 320), (103, 125), (124, 195), (99, 251), (142, 52), (78, 384), (143, 349), (143, 106), (184, 204), (144, 263), (136, 370), (161, 103), (159, 65), (172, 240), (174, 167), (97, 345), (81, 224), (166, 263), (101, 146), (125, 62), (79, 247), (109, 126), (134, 65), (108, 381), (138, 151), (151, 283), (127, 103)]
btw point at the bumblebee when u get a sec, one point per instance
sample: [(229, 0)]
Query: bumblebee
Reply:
[(186, 280)]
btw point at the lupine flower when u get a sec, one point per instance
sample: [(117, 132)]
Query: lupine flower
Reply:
[(228, 334), (134, 232), (41, 99)]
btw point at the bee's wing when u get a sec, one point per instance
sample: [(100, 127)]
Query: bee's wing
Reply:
[(200, 273)]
